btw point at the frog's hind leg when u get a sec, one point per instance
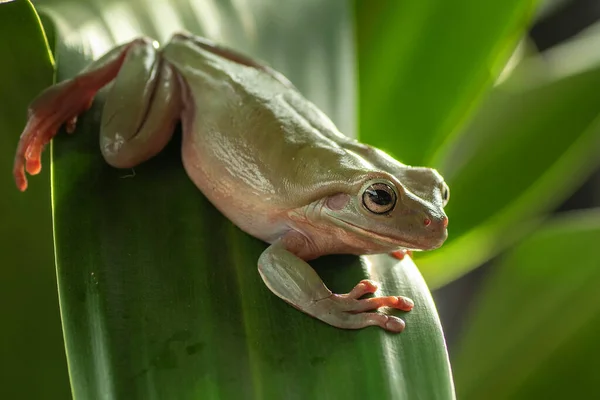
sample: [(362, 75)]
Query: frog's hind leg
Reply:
[(141, 110), (61, 103)]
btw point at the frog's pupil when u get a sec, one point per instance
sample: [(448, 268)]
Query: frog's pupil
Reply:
[(380, 197)]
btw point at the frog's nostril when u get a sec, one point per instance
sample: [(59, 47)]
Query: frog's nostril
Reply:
[(436, 223)]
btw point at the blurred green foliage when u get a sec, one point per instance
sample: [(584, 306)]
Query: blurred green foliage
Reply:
[(533, 332), (425, 65), (532, 143)]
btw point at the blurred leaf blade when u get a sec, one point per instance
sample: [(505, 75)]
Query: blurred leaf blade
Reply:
[(28, 283), (534, 141), (538, 316), (421, 82), (137, 254)]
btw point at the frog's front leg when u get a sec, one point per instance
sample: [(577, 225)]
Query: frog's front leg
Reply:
[(293, 280), (138, 118)]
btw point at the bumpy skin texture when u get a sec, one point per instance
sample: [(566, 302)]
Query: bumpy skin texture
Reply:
[(266, 157)]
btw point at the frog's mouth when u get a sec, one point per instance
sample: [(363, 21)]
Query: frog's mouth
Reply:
[(394, 242)]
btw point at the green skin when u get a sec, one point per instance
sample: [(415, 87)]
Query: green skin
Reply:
[(266, 157)]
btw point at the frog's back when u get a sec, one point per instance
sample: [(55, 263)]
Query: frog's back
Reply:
[(249, 143), (246, 139)]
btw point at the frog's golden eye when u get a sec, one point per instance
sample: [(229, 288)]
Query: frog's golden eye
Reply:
[(379, 198), (445, 194)]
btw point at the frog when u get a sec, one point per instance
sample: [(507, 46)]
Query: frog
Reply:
[(265, 156)]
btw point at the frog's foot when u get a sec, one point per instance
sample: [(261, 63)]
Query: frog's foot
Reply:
[(400, 254), (349, 311), (57, 105)]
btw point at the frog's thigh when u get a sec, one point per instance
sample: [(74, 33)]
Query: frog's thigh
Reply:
[(141, 109), (293, 280), (195, 42)]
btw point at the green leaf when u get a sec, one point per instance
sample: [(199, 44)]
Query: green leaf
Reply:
[(535, 140), (424, 66), (31, 346), (159, 293), (538, 316)]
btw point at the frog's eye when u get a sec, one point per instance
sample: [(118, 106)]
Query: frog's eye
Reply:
[(445, 194), (379, 198)]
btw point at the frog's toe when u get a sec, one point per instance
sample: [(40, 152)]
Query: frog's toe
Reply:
[(29, 151), (400, 254), (28, 155), (363, 287), (19, 174), (352, 302), (348, 312), (374, 303), (33, 165), (358, 320), (56, 105), (363, 320)]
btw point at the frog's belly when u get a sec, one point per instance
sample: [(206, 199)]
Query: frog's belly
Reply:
[(240, 196)]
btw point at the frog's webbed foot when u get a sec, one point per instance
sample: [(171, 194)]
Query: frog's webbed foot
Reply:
[(292, 279), (61, 104), (350, 312)]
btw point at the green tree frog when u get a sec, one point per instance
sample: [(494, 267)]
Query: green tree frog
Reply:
[(265, 156)]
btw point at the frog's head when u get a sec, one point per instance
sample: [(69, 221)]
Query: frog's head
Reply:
[(404, 210)]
